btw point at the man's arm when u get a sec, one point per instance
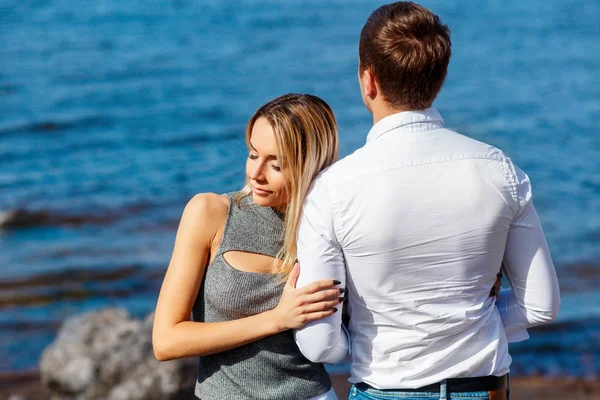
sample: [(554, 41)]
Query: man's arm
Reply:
[(516, 336), (534, 296), (320, 255)]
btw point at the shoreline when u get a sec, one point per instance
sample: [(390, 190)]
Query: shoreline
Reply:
[(134, 287), (27, 386)]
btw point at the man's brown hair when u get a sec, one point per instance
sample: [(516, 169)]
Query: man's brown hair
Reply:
[(407, 48)]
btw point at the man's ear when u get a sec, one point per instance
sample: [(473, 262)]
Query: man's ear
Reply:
[(369, 84)]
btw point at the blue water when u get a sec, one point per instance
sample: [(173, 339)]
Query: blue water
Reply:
[(114, 113)]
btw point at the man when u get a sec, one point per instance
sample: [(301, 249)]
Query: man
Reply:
[(416, 225)]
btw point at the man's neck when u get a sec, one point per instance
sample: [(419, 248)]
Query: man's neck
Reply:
[(382, 110)]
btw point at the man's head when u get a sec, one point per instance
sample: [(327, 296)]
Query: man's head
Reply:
[(404, 52)]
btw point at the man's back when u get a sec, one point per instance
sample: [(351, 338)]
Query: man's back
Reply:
[(421, 215), (416, 224)]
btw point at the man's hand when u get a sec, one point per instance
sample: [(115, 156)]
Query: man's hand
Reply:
[(345, 315), (496, 288)]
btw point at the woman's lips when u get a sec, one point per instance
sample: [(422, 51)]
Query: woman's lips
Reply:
[(260, 192)]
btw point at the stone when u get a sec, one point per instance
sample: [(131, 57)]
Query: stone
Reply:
[(108, 354)]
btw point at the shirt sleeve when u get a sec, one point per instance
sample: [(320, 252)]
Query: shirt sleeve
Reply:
[(320, 257), (533, 297)]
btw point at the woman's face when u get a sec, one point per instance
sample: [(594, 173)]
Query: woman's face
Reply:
[(264, 169)]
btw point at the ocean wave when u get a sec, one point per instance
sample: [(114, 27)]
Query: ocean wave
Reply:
[(569, 348), (78, 284), (7, 89), (225, 136), (71, 276), (579, 277), (53, 126), (22, 218)]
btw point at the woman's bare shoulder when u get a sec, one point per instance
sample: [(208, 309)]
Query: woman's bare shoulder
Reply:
[(209, 202), (207, 208)]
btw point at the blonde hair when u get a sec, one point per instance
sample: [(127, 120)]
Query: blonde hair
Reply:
[(307, 141)]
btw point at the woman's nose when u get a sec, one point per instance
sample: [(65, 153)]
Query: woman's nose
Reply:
[(256, 173)]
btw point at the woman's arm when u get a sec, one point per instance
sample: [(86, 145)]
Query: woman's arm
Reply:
[(175, 336)]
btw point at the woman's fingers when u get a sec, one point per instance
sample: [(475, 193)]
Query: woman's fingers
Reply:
[(321, 306), (293, 277), (314, 301), (323, 295), (319, 314), (318, 286)]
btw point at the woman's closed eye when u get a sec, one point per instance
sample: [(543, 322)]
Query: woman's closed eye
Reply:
[(252, 156)]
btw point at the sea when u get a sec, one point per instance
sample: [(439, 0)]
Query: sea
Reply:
[(113, 114)]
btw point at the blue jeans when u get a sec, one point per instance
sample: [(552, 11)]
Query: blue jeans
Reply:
[(374, 394)]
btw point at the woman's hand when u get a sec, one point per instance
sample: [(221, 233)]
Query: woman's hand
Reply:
[(309, 303)]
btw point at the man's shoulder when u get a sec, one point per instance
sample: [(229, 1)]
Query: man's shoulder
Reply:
[(465, 140), (443, 145), (455, 145), (343, 169)]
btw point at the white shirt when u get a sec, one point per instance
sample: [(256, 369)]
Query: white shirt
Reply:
[(416, 224), (330, 395)]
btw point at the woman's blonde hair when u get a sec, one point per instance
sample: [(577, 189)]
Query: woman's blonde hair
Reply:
[(307, 141)]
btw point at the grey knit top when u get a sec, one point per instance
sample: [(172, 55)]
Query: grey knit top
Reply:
[(270, 368)]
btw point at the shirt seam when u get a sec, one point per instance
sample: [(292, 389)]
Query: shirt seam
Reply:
[(512, 185), (334, 216), (407, 127), (420, 163)]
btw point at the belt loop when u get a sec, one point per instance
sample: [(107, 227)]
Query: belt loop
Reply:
[(443, 390)]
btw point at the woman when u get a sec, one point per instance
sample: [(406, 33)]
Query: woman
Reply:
[(232, 256)]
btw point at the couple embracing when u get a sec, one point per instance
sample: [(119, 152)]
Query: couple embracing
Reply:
[(410, 232)]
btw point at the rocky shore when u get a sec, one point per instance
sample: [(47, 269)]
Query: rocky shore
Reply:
[(28, 386), (108, 355)]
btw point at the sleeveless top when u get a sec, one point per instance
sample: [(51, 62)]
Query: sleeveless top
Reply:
[(269, 368)]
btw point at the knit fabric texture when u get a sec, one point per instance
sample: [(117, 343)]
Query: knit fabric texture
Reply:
[(270, 368)]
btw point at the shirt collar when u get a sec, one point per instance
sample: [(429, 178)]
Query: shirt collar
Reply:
[(408, 121)]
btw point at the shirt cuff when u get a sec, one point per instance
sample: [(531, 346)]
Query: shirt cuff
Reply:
[(518, 336)]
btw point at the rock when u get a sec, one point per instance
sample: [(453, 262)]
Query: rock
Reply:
[(77, 374), (22, 218), (108, 355)]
